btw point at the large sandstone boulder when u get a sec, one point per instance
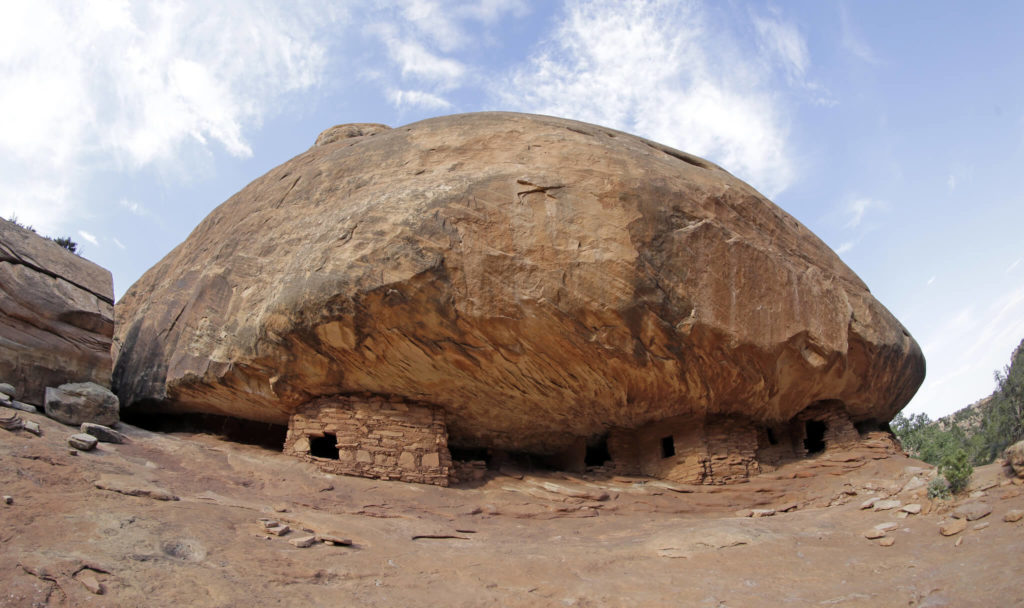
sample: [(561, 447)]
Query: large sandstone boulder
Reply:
[(539, 279), (56, 315), (82, 402)]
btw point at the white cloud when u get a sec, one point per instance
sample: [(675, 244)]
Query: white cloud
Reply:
[(931, 280), (666, 76), (133, 207), (1016, 263), (119, 244), (416, 61), (89, 237), (403, 99), (783, 40), (118, 84), (848, 245), (951, 182), (858, 208), (852, 41)]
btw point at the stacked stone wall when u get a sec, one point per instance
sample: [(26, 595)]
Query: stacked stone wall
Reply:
[(376, 437)]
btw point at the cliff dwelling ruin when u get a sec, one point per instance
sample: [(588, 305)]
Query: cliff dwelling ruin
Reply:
[(421, 302)]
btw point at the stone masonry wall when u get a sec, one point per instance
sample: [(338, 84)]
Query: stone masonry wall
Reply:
[(376, 437)]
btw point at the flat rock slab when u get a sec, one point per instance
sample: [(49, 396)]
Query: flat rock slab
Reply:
[(1013, 515), (130, 486), (954, 527), (885, 505), (303, 541), (972, 511), (102, 433)]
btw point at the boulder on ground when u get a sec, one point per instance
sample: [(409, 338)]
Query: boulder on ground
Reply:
[(8, 390), (1014, 456), (81, 402), (56, 315), (539, 279)]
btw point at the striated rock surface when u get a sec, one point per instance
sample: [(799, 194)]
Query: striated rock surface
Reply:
[(56, 315), (539, 279)]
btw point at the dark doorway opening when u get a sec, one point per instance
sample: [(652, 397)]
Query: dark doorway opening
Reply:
[(771, 437), (324, 447), (668, 447), (597, 454), (814, 441)]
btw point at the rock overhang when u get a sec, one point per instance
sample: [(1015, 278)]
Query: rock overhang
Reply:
[(537, 278)]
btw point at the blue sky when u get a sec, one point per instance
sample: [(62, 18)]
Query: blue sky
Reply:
[(895, 131)]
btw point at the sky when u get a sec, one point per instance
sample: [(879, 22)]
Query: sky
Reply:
[(894, 131)]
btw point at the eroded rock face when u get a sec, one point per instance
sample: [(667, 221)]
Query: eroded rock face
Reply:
[(539, 279), (56, 315)]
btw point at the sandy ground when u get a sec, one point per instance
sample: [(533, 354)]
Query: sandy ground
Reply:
[(534, 539)]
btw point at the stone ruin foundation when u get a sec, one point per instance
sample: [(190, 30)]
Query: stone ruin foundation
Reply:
[(372, 437), (382, 438)]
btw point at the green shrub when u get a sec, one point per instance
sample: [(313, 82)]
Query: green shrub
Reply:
[(956, 468), (938, 488)]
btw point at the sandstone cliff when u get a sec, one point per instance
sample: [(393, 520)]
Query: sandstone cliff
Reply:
[(539, 279), (56, 315)]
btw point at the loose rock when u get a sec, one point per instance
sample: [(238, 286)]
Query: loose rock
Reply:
[(102, 433), (954, 527), (972, 511), (8, 390), (280, 530), (24, 407), (1013, 515), (32, 427), (303, 541), (867, 504), (888, 541), (90, 582), (887, 526), (8, 500), (885, 505), (762, 512), (874, 533), (1014, 456), (912, 509), (82, 402), (81, 441)]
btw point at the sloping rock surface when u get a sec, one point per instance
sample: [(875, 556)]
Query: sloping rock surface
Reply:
[(56, 315), (539, 278)]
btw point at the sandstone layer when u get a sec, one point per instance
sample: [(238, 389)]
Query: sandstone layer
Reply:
[(541, 280), (56, 315)]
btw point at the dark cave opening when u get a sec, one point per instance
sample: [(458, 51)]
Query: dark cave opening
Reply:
[(260, 434), (324, 447), (597, 454), (814, 441)]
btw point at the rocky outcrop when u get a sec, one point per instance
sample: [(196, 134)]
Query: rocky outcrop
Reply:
[(1014, 456), (539, 280), (56, 315)]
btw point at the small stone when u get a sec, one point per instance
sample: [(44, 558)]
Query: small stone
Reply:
[(333, 539), (8, 390), (972, 511), (887, 526), (888, 541), (303, 541), (915, 483), (1013, 515), (740, 513), (958, 542), (4, 398), (88, 580), (24, 407), (978, 494), (269, 523), (982, 525), (867, 504), (280, 530), (8, 500), (102, 433), (885, 505), (32, 427), (954, 527), (762, 512), (81, 441), (912, 509), (281, 508), (874, 533)]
